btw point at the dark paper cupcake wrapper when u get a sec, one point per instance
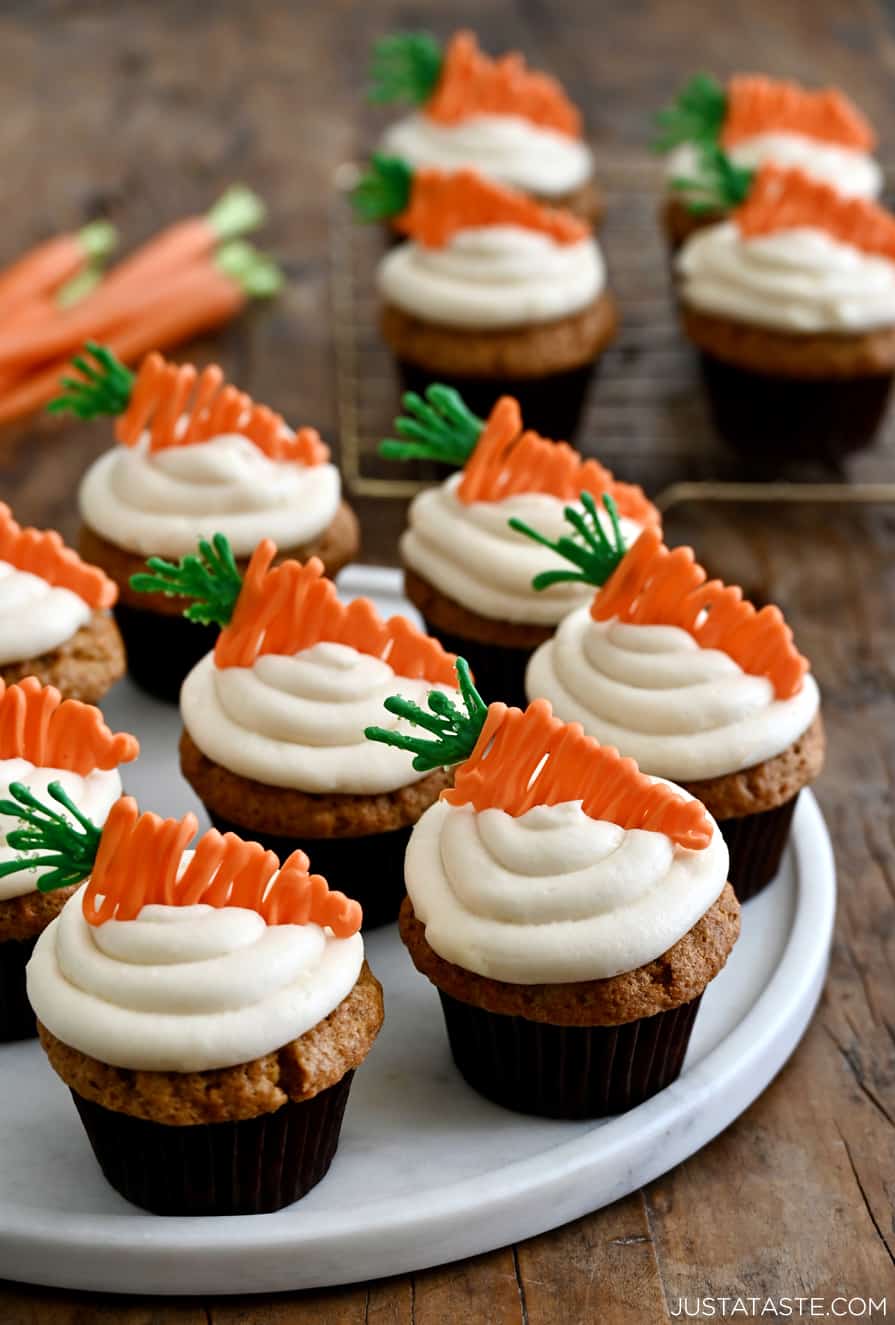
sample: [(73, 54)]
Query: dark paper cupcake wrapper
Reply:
[(499, 672), (787, 417), (567, 1071), (550, 405), (161, 650), (16, 1017), (756, 843), (369, 869), (242, 1168)]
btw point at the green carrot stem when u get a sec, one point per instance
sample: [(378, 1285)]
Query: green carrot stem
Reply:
[(384, 189), (68, 848), (237, 212), (405, 67), (103, 388), (695, 116), (440, 427), (212, 578), (98, 239), (454, 730), (595, 551)]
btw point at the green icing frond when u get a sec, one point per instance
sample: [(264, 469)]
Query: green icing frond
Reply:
[(720, 184), (454, 733), (384, 189), (405, 67), (212, 578), (65, 849), (441, 427), (695, 116), (595, 552), (104, 386)]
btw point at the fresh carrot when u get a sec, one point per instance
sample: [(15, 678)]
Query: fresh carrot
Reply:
[(46, 308), (48, 266)]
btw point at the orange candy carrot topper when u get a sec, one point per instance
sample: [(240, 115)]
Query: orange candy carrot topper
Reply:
[(37, 724), (43, 553), (787, 199)]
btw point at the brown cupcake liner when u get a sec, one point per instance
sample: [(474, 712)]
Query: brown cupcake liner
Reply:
[(567, 1071), (792, 418), (16, 1016), (499, 672), (248, 1167), (370, 869), (756, 843), (162, 649), (551, 406)]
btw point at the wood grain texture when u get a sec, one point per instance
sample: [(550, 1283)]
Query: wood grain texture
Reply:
[(146, 112)]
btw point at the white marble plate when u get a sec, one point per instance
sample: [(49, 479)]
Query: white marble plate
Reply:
[(426, 1171)]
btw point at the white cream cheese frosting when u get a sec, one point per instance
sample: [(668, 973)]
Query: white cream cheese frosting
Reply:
[(681, 711), (298, 720), (468, 551), (801, 280), (852, 173), (94, 794), (35, 616), (493, 276), (554, 896), (506, 148), (186, 988), (159, 503)]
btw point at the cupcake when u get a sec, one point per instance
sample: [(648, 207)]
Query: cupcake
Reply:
[(45, 739), (569, 910), (758, 120), (792, 303), (491, 292), (206, 1008), (511, 124), (273, 719), (466, 569), (194, 456), (55, 622), (685, 676)]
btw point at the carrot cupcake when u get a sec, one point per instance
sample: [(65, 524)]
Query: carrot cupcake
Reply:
[(274, 718), (45, 739), (511, 124), (685, 676), (569, 909), (207, 1008), (758, 120), (195, 456), (55, 622), (491, 292), (465, 568), (792, 303)]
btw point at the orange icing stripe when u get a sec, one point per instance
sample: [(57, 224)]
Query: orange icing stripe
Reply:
[(443, 202), (656, 587), (139, 857), (471, 83), (784, 199), (180, 406), (37, 724), (525, 759), (43, 553), (293, 606), (756, 104), (508, 460)]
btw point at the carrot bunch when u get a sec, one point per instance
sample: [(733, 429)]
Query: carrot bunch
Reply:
[(193, 276)]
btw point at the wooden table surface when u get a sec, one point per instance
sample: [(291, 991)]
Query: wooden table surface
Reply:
[(146, 112)]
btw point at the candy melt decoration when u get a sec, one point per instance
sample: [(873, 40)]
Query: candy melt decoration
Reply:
[(657, 587), (789, 199), (523, 759), (757, 104), (42, 552), (37, 724), (139, 858), (445, 202), (181, 407), (290, 607)]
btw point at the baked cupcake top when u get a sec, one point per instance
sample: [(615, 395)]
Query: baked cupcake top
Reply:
[(47, 593), (296, 675), (551, 859), (758, 120), (45, 738), (479, 256), (678, 671), (195, 456), (512, 124), (170, 959), (795, 255), (460, 537)]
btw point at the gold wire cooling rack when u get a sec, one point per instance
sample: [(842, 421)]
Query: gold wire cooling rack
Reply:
[(647, 417)]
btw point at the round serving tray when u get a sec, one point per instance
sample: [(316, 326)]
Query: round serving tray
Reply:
[(426, 1171)]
